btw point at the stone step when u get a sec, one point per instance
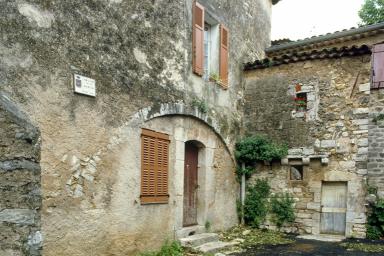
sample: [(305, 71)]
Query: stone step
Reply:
[(199, 239), (213, 247), (189, 231)]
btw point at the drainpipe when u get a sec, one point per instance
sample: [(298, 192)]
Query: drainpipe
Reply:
[(242, 193)]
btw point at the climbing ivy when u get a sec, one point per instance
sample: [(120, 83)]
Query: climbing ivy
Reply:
[(375, 227), (256, 203), (282, 208), (257, 148)]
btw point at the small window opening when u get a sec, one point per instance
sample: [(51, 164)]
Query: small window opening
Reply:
[(211, 47), (207, 50), (296, 172), (301, 102)]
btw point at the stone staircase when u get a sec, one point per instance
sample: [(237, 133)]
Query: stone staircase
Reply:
[(206, 243)]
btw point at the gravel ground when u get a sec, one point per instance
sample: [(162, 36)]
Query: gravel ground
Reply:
[(311, 248)]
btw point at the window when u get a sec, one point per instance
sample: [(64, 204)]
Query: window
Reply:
[(154, 167), (296, 172), (207, 50), (301, 102), (210, 41), (377, 67)]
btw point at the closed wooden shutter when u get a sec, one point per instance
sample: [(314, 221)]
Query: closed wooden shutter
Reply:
[(378, 67), (224, 46), (198, 39), (154, 167)]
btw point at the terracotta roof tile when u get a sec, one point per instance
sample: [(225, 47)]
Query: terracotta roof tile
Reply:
[(309, 55)]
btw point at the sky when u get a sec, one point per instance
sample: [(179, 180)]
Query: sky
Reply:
[(298, 19)]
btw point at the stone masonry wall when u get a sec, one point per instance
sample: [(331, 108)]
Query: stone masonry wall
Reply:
[(20, 186), (329, 139), (376, 142)]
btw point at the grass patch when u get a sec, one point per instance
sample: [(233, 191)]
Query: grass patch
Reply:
[(256, 237), (363, 247), (168, 249)]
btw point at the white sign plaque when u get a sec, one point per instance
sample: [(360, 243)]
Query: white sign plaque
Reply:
[(84, 85)]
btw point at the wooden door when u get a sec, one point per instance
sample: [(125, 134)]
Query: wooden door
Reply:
[(333, 208), (190, 184)]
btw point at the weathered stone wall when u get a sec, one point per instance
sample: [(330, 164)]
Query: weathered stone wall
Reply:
[(330, 139), (20, 186), (139, 53)]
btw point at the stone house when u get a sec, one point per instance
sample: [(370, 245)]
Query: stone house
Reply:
[(115, 134), (319, 96)]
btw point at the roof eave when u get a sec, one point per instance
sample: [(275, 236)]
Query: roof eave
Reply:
[(327, 37), (275, 1)]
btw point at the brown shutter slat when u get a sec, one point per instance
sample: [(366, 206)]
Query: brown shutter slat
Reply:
[(154, 167), (224, 49), (198, 39), (378, 66)]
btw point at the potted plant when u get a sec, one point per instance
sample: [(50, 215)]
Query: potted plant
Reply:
[(301, 105), (214, 77)]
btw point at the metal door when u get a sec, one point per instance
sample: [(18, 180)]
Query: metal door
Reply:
[(190, 184), (333, 208)]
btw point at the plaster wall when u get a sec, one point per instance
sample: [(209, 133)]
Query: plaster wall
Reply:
[(139, 53)]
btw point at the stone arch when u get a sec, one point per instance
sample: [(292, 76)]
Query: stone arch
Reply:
[(173, 109)]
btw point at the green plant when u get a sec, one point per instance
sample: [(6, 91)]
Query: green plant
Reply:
[(256, 203), (215, 77), (168, 249), (376, 220), (259, 148), (239, 209), (372, 12), (373, 232), (282, 208), (201, 105), (371, 189), (377, 118), (247, 171), (301, 103), (207, 225)]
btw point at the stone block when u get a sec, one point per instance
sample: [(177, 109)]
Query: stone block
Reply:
[(365, 87), (18, 216), (308, 151), (304, 215), (360, 132), (358, 111), (295, 151), (328, 143), (362, 151), (313, 206), (360, 122), (362, 142), (362, 171), (325, 160)]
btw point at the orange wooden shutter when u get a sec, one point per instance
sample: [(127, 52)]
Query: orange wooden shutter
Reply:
[(198, 39), (224, 46), (378, 66), (154, 167)]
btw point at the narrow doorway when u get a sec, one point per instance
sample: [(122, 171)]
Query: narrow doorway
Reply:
[(333, 208), (190, 184)]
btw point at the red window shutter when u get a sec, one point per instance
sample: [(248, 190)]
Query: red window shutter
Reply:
[(224, 46), (378, 67), (198, 39), (154, 167)]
